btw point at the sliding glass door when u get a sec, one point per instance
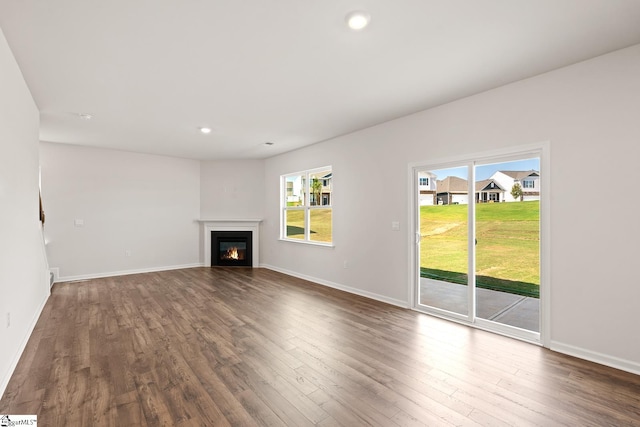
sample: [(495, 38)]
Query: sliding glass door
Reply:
[(478, 242)]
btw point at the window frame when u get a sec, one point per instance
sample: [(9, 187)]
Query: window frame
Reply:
[(307, 207)]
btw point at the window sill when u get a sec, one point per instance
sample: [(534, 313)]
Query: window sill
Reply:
[(306, 242)]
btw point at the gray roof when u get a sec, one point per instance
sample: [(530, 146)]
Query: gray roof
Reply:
[(452, 184), (485, 185)]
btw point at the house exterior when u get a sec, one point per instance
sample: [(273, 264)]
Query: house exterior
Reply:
[(325, 192), (497, 189), (295, 193), (528, 180), (296, 187), (489, 191), (452, 191), (427, 188)]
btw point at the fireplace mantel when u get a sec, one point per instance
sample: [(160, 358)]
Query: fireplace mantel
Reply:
[(210, 225)]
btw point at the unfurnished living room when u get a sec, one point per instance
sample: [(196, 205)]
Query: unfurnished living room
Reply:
[(332, 213)]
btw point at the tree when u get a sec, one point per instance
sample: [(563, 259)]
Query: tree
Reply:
[(516, 192), (316, 190)]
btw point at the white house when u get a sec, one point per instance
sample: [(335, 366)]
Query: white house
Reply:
[(528, 180), (427, 188), (295, 195)]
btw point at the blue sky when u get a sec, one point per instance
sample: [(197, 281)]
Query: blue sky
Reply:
[(485, 171)]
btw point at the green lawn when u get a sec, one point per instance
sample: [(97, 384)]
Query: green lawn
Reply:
[(507, 250), (320, 225)]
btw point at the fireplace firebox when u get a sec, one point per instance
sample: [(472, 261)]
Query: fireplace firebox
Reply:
[(231, 248)]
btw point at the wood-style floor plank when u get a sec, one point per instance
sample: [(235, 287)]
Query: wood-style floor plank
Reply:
[(253, 347)]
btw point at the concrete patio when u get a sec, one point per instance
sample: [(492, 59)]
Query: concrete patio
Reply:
[(514, 310)]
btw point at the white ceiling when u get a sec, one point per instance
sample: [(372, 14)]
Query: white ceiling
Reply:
[(151, 72)]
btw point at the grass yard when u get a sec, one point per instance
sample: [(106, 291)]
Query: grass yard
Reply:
[(320, 220), (507, 250)]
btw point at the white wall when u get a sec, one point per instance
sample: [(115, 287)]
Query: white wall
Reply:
[(24, 285), (141, 203), (588, 112), (232, 189)]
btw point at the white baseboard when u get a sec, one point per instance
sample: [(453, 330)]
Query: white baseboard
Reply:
[(125, 272), (374, 296), (593, 356), (20, 349)]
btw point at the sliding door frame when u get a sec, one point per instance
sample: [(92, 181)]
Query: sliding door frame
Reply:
[(541, 150)]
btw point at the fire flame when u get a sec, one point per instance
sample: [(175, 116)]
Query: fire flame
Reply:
[(232, 253)]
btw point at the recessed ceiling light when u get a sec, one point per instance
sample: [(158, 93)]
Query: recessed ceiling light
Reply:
[(205, 130), (357, 20), (85, 116), (268, 143)]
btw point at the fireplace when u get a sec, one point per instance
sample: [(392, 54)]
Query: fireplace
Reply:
[(231, 248), (238, 224)]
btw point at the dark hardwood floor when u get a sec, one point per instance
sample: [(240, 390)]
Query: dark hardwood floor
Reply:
[(242, 347)]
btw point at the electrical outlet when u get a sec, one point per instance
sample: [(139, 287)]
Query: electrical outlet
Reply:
[(8, 319), (127, 252), (346, 264)]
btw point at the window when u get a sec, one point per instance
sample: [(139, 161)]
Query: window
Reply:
[(527, 183), (306, 206), (424, 181)]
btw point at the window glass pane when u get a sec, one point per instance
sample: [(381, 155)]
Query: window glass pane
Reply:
[(444, 260), (294, 190), (507, 242), (294, 220), (320, 225), (320, 188)]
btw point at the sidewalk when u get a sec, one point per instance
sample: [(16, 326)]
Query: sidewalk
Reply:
[(515, 310)]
